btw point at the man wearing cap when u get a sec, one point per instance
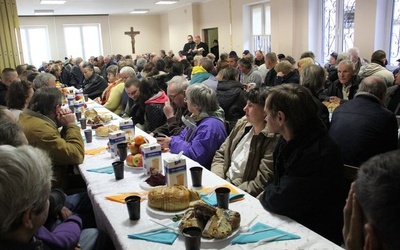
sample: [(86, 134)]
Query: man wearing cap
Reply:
[(200, 47), (377, 68)]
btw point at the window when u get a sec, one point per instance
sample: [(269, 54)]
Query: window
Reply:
[(338, 28), (83, 40), (261, 27), (35, 44), (395, 34)]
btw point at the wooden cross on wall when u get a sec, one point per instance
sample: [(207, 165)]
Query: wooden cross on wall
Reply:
[(132, 34)]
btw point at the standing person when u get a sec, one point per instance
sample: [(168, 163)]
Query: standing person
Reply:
[(245, 158), (215, 50), (308, 184), (204, 132), (94, 84), (188, 47), (200, 48)]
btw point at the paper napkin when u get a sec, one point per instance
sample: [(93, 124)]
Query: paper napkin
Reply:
[(104, 170), (157, 233), (212, 200), (243, 239), (94, 151), (121, 197)]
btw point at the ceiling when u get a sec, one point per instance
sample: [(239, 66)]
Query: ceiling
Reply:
[(99, 7)]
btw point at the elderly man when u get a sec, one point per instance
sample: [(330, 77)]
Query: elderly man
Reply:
[(363, 127), (175, 108), (76, 74), (356, 59), (344, 88), (44, 80), (40, 122), (250, 73), (8, 75), (371, 217), (94, 84)]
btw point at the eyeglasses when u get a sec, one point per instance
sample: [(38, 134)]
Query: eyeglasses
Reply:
[(172, 97)]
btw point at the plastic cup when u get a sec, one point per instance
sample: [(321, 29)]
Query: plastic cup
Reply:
[(222, 194), (192, 238), (86, 97), (88, 135), (122, 150), (196, 173), (83, 123), (72, 108), (78, 115), (118, 169), (133, 205)]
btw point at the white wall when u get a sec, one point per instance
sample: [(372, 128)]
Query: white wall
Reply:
[(294, 26)]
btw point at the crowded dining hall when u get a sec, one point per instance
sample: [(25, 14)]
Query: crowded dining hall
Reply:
[(198, 124)]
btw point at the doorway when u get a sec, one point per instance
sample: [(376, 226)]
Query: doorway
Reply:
[(209, 36)]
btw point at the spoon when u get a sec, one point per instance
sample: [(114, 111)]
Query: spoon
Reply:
[(246, 227)]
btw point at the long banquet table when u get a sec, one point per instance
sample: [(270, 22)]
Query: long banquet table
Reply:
[(113, 216)]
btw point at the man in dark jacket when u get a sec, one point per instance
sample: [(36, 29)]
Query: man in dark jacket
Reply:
[(8, 75), (76, 76), (94, 84), (363, 127), (308, 184)]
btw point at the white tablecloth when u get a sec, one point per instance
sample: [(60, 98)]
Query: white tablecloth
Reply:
[(113, 216)]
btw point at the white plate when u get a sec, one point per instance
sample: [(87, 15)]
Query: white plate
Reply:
[(164, 213), (145, 186), (207, 240), (134, 168)]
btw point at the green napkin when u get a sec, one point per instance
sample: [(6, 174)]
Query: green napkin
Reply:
[(104, 170), (160, 236), (243, 239)]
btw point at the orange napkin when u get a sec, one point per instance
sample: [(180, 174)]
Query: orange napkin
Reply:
[(232, 188), (94, 151), (121, 197)]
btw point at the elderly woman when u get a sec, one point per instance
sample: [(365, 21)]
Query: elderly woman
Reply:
[(313, 77), (308, 183), (286, 73), (112, 95), (204, 132), (18, 96), (245, 158)]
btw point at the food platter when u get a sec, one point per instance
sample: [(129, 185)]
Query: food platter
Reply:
[(164, 213)]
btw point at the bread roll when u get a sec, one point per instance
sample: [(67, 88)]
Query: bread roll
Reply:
[(171, 198), (91, 113)]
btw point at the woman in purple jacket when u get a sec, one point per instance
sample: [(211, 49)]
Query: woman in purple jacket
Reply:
[(204, 132)]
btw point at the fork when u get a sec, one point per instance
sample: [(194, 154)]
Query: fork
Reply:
[(269, 239), (175, 230)]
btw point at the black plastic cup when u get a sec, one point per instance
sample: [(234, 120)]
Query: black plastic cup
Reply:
[(118, 169), (88, 135), (78, 115), (222, 194), (83, 122), (133, 205), (196, 173), (122, 150), (86, 97), (72, 108), (192, 238)]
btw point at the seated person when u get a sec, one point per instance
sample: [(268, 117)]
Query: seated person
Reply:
[(175, 107), (363, 127), (44, 80), (231, 96), (286, 73), (18, 96), (204, 132), (371, 217), (41, 121), (245, 158), (308, 184), (94, 84), (112, 95), (200, 73), (151, 100)]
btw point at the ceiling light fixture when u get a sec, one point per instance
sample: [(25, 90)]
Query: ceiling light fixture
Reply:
[(43, 12), (52, 1), (166, 2), (139, 11)]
